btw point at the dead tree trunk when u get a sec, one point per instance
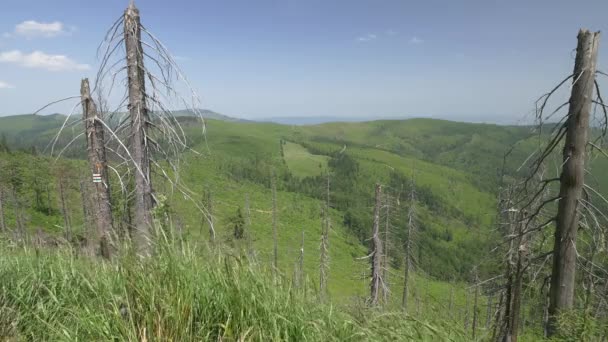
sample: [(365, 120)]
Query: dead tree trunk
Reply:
[(324, 254), (2, 218), (86, 216), (385, 262), (376, 251), (572, 178), (140, 120), (64, 209), (275, 249), (409, 244), (247, 211), (208, 218), (98, 164), (300, 275), (475, 301), (517, 283), (489, 310), (451, 300), (49, 210), (466, 310), (324, 249)]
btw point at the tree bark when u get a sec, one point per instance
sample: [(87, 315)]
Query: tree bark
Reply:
[(376, 251), (572, 178), (139, 117), (98, 164)]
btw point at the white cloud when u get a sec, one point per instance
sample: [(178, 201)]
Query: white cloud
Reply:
[(4, 85), (416, 40), (391, 32), (368, 37), (41, 60), (33, 29)]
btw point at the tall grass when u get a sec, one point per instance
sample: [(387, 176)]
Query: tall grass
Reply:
[(180, 294)]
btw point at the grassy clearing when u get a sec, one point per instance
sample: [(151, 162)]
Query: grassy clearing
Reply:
[(179, 295), (302, 163)]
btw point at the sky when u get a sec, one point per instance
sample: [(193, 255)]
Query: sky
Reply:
[(477, 60)]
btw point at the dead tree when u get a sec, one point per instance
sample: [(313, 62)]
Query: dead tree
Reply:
[(572, 178), (207, 218), (86, 216), (385, 256), (324, 248), (247, 210), (489, 310), (139, 121), (409, 245), (98, 165), (3, 227), (64, 206), (475, 301), (300, 274), (376, 251), (324, 253), (275, 248)]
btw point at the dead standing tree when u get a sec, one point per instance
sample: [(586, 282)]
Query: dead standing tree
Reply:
[(3, 227), (409, 245), (140, 120), (324, 247), (385, 256), (98, 164), (574, 209), (572, 177), (324, 254), (376, 251), (275, 247), (149, 131)]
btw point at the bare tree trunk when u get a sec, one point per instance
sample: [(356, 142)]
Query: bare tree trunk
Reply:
[(376, 251), (64, 210), (324, 248), (86, 216), (517, 284), (300, 275), (451, 300), (409, 244), (208, 219), (3, 227), (139, 116), (275, 249), (324, 254), (466, 310), (489, 310), (385, 261), (475, 301), (572, 178), (98, 164), (247, 211), (48, 199)]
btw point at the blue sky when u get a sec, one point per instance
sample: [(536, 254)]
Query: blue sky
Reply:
[(462, 60)]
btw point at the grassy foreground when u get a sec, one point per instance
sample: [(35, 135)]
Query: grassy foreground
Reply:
[(181, 294)]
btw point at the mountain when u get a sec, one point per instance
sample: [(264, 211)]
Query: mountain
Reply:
[(207, 114)]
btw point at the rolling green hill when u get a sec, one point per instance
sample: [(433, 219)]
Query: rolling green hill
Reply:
[(452, 167)]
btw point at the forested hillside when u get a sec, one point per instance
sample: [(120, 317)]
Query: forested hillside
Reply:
[(130, 220)]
